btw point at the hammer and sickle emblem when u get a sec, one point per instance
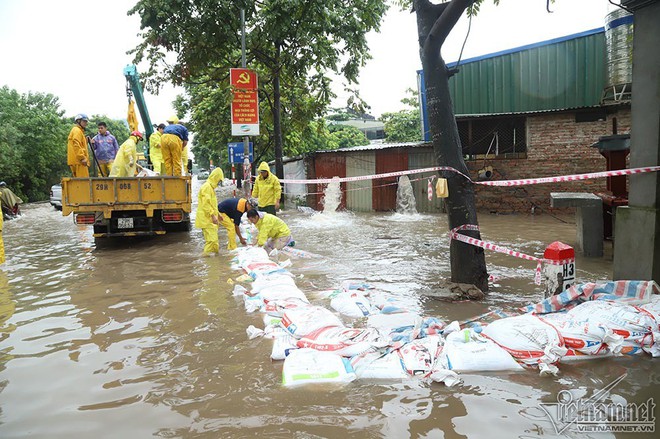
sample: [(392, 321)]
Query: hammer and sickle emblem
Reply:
[(243, 78)]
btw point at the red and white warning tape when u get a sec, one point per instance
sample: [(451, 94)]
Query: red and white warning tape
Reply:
[(454, 234), (522, 182)]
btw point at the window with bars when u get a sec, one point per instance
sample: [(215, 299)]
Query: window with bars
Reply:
[(496, 136)]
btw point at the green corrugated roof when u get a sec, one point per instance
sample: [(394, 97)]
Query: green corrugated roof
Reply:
[(561, 73)]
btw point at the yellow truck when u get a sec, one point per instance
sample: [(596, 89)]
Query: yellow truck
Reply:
[(129, 206)]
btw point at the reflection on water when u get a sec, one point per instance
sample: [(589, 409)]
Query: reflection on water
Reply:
[(144, 338)]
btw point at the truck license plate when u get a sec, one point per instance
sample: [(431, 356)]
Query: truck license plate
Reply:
[(124, 223)]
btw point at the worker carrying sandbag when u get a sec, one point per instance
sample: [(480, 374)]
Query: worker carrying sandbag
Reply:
[(126, 159)]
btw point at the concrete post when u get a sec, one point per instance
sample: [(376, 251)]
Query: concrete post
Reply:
[(637, 235)]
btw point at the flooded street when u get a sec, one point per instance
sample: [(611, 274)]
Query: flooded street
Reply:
[(144, 338)]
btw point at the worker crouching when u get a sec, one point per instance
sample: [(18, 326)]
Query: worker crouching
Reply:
[(273, 232), (207, 212)]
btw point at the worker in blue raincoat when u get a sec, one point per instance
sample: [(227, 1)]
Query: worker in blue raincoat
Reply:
[(126, 158), (207, 217), (231, 211)]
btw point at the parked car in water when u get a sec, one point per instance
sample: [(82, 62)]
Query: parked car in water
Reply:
[(56, 196), (202, 174)]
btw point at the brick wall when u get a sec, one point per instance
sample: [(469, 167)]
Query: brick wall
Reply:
[(556, 145)]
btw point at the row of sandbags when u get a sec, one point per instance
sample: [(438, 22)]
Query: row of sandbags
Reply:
[(369, 334)]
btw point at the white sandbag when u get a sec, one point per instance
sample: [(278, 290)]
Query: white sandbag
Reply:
[(282, 292), (419, 357), (389, 304), (465, 351), (278, 307), (636, 325), (351, 304), (308, 366), (251, 254), (583, 336), (379, 366), (282, 346), (301, 321), (387, 323), (275, 280), (262, 269), (528, 339), (346, 342), (252, 303), (653, 307)]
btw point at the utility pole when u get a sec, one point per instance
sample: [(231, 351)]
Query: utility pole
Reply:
[(247, 171)]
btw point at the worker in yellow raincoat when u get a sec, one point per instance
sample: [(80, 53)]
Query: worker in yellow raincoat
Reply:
[(273, 232), (174, 140), (207, 217), (2, 244), (267, 190), (155, 152), (77, 156), (126, 159)]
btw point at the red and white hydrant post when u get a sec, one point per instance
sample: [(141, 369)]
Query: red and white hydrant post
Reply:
[(559, 268)]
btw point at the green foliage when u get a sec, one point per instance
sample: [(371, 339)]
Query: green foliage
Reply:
[(294, 43), (345, 136), (33, 138), (404, 125)]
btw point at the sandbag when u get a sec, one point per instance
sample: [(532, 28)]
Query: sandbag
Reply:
[(351, 304), (419, 357), (387, 323), (379, 365), (583, 336), (282, 346), (636, 325), (301, 321), (468, 352), (346, 342), (529, 340), (277, 308), (307, 366)]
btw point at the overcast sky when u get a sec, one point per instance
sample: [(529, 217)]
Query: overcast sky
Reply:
[(42, 44)]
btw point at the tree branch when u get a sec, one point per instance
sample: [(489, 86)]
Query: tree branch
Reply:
[(450, 15)]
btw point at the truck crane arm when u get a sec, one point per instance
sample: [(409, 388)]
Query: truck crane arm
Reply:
[(134, 89)]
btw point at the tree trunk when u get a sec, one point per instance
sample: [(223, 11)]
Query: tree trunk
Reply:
[(277, 115), (434, 22)]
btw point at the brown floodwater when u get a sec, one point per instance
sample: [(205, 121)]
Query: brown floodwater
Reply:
[(143, 338)]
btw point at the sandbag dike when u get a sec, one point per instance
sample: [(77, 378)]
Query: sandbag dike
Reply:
[(362, 333)]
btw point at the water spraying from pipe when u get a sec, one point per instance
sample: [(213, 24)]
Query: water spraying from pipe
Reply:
[(405, 197)]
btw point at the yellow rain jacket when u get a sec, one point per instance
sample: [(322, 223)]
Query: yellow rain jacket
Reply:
[(155, 152), (207, 202), (271, 226), (267, 190), (126, 159), (132, 117), (76, 148)]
